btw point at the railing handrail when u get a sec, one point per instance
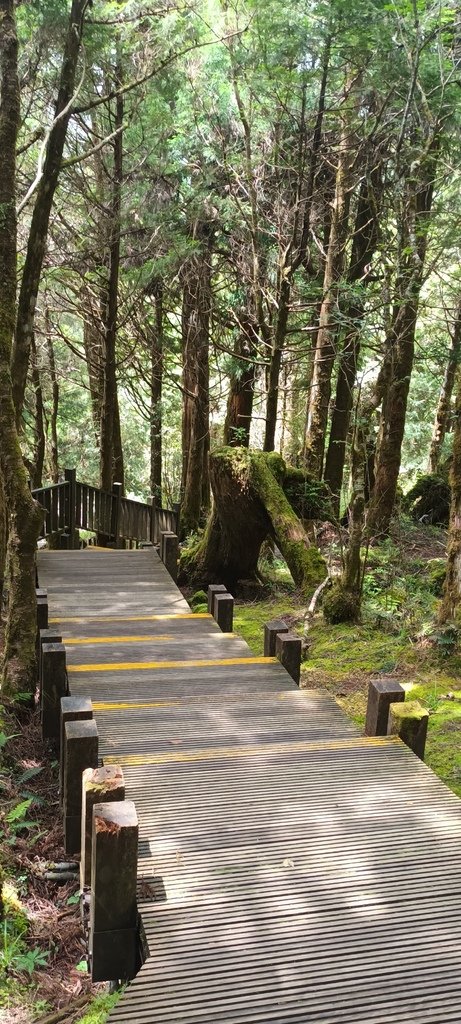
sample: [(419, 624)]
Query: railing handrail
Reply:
[(76, 509)]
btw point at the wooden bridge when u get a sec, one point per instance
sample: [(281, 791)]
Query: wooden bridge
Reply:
[(289, 869)]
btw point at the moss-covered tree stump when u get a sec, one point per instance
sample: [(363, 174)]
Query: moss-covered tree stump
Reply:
[(249, 506)]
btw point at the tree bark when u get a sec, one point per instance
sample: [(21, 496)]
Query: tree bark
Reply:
[(38, 458), (30, 278), (111, 460), (452, 588), (443, 410), (363, 247), (19, 665), (54, 452), (249, 506), (241, 395), (93, 341), (329, 321), (401, 342), (156, 385), (196, 309)]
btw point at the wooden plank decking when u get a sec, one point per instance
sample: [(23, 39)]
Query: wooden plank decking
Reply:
[(290, 870)]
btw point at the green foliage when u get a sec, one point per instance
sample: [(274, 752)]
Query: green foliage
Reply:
[(100, 1008)]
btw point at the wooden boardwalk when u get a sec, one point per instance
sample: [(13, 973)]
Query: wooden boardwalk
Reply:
[(290, 870)]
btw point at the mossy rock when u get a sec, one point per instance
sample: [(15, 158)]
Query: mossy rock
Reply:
[(308, 497), (340, 605), (429, 500), (198, 600), (436, 572)]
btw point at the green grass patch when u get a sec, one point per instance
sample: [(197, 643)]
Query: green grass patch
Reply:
[(100, 1008)]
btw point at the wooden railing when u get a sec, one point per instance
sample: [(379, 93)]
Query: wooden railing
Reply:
[(71, 506)]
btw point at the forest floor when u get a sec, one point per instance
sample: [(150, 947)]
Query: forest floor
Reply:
[(42, 964)]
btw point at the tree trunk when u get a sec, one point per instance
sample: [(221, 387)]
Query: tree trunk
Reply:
[(30, 278), (111, 461), (329, 321), (156, 384), (401, 342), (442, 414), (38, 458), (93, 342), (3, 536), (54, 454), (363, 247), (196, 309), (19, 665), (275, 364), (452, 589), (249, 506), (241, 395)]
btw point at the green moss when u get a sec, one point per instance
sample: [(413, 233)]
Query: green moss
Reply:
[(436, 570), (340, 605), (198, 599), (249, 620), (306, 564)]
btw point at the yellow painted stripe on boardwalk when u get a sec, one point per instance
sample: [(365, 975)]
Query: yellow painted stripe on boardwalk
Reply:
[(131, 618), (72, 640), (101, 706), (126, 666), (212, 753), (227, 698)]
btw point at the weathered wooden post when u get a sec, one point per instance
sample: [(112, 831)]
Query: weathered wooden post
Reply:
[(288, 651), (115, 517), (70, 476), (42, 610), (171, 554), (163, 535), (409, 721), (153, 520), (99, 785), (271, 629), (46, 636), (73, 709), (113, 909), (53, 688), (381, 694), (223, 611), (80, 752), (177, 512), (214, 588)]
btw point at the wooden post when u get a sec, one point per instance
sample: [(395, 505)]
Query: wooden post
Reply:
[(115, 519), (164, 534), (177, 511), (171, 554), (270, 636), (46, 636), (70, 476), (223, 611), (153, 520), (409, 721), (381, 694), (73, 709), (80, 752), (113, 909), (54, 687), (42, 615), (99, 785), (214, 588), (288, 651)]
